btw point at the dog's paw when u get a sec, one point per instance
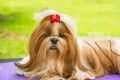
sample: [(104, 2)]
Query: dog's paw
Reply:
[(57, 78), (20, 72)]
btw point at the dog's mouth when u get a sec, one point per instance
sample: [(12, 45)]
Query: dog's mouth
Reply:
[(53, 50), (53, 47)]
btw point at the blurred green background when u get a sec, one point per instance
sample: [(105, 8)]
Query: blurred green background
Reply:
[(94, 18)]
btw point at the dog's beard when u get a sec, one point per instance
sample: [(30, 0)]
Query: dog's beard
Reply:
[(52, 54)]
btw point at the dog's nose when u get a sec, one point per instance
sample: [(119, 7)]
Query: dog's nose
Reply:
[(54, 40)]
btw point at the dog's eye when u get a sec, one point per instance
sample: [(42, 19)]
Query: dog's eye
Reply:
[(61, 35), (46, 35)]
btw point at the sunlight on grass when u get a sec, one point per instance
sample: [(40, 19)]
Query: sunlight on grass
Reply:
[(93, 17), (11, 48), (96, 15)]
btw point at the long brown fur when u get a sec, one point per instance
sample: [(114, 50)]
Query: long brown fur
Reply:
[(102, 56), (42, 59)]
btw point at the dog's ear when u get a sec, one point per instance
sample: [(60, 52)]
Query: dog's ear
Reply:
[(34, 44), (71, 57)]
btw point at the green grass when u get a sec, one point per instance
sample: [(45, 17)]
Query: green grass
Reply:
[(94, 18), (11, 48)]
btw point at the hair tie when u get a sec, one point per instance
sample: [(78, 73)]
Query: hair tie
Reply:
[(55, 18)]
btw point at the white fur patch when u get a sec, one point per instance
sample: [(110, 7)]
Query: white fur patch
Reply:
[(57, 78), (81, 75), (20, 71), (85, 63), (118, 46), (80, 43), (25, 60), (82, 59), (70, 23), (44, 13)]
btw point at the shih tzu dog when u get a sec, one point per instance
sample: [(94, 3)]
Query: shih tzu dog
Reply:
[(56, 54)]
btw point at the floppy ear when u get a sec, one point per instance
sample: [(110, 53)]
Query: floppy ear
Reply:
[(35, 42), (71, 57)]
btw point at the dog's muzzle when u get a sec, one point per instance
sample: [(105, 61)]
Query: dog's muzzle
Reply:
[(54, 42)]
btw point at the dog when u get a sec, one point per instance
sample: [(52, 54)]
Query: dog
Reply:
[(55, 52)]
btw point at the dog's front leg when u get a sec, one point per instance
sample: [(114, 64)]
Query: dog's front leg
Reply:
[(21, 71), (81, 75), (55, 78)]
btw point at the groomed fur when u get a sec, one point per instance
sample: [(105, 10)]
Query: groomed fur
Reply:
[(100, 57), (68, 59), (46, 63)]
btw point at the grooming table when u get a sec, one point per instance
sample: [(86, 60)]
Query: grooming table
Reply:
[(8, 72)]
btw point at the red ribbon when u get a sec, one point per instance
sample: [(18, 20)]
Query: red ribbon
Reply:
[(55, 18)]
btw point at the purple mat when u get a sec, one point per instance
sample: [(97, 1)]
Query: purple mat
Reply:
[(8, 72)]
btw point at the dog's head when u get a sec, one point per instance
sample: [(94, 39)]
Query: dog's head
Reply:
[(53, 46)]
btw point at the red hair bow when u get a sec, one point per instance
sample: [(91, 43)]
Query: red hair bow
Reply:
[(55, 18)]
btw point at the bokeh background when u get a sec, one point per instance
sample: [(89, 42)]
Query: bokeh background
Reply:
[(95, 18)]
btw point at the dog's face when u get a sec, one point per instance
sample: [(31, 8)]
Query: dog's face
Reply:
[(54, 39)]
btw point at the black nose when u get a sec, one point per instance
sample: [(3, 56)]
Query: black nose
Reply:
[(54, 40)]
